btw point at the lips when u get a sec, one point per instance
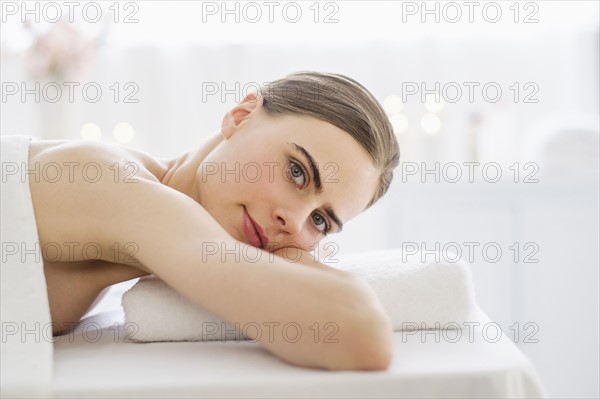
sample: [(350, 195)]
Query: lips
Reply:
[(254, 233)]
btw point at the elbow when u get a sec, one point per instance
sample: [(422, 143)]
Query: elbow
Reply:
[(364, 333), (369, 351), (374, 344), (370, 345), (379, 360), (376, 352)]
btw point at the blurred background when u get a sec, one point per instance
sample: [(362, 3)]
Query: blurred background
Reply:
[(508, 91)]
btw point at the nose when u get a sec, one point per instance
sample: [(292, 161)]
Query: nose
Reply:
[(291, 219)]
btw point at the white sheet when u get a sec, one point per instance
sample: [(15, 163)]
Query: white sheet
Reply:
[(111, 367), (26, 344)]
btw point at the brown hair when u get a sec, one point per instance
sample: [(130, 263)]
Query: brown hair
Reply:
[(344, 103)]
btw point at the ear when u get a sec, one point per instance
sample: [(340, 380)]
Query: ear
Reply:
[(234, 117)]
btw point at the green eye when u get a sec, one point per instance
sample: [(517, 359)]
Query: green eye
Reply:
[(297, 174), (320, 222), (296, 171)]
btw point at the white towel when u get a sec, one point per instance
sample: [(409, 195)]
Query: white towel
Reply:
[(27, 345), (415, 295)]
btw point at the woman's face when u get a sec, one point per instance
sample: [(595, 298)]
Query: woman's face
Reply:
[(285, 181)]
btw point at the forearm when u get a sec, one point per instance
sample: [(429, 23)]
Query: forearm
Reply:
[(295, 256), (306, 316), (266, 296), (303, 258)]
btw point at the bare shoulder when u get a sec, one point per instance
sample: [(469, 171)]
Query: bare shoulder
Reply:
[(106, 195), (78, 187), (79, 159)]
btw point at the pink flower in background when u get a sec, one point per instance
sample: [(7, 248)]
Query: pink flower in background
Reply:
[(61, 53)]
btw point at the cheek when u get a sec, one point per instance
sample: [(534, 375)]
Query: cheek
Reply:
[(258, 190), (249, 181), (267, 182), (260, 169), (270, 193)]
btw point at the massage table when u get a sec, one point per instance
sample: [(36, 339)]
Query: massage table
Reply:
[(98, 359)]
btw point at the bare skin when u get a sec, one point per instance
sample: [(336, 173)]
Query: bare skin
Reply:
[(124, 225), (74, 281)]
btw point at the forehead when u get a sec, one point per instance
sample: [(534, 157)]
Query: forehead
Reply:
[(348, 175)]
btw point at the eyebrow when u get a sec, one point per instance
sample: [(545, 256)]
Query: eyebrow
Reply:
[(317, 181)]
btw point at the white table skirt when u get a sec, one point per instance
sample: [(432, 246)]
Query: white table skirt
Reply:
[(92, 362)]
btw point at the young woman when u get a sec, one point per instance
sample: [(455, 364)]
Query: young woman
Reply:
[(291, 164)]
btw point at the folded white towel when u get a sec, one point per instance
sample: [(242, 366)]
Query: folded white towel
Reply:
[(26, 350), (415, 295)]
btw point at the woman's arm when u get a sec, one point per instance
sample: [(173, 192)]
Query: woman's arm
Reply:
[(306, 316), (301, 257), (341, 325)]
